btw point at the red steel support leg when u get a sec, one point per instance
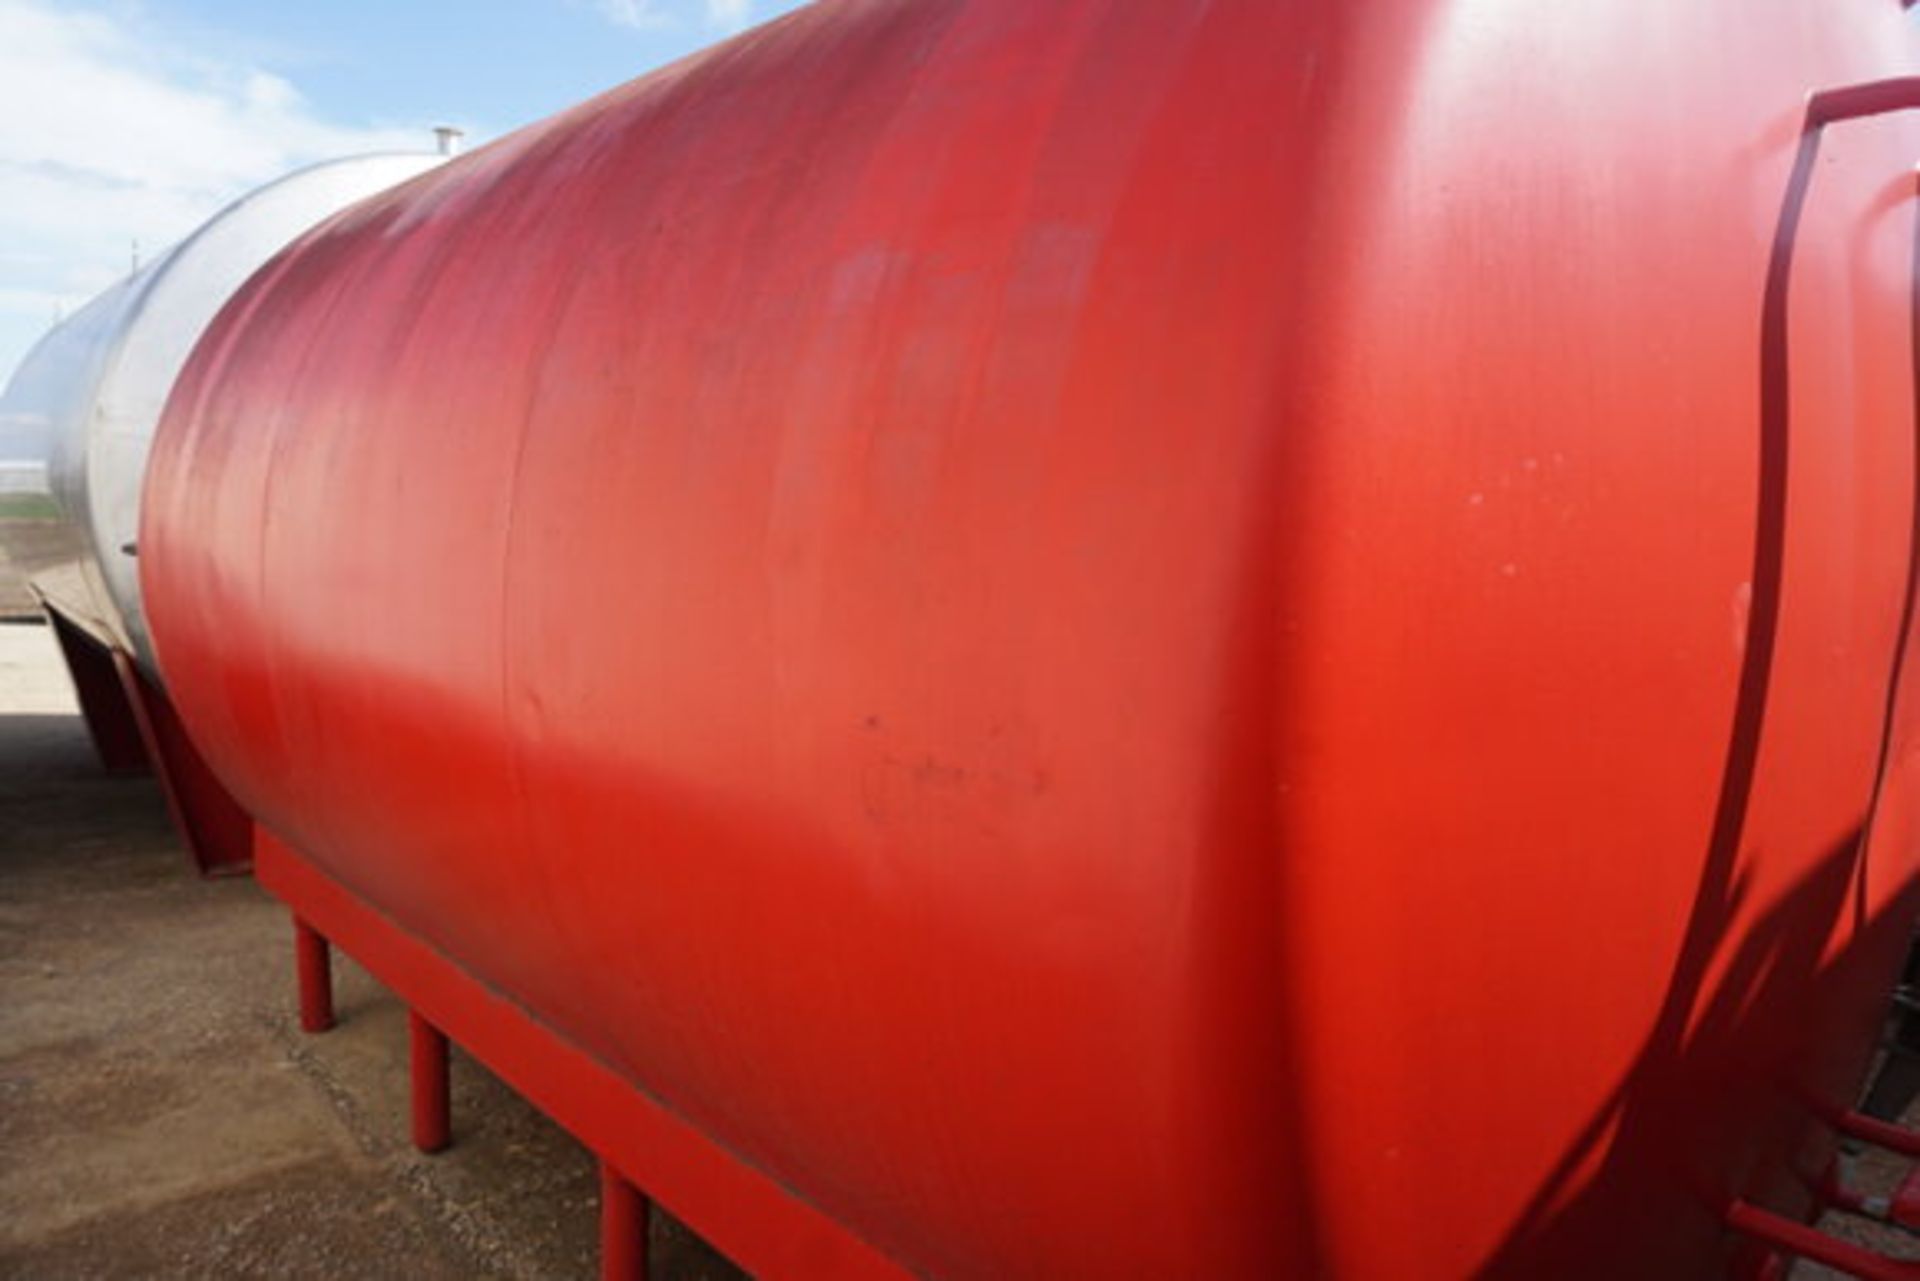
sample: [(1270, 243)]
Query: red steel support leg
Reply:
[(1807, 1242), (623, 1228), (432, 1126), (313, 961), (1882, 1134)]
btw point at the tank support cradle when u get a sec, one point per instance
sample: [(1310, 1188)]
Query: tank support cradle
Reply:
[(134, 728)]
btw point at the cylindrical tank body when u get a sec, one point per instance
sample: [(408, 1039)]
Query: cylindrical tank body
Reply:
[(96, 383), (1123, 638)]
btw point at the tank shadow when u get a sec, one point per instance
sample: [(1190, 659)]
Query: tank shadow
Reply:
[(1731, 1089), (1729, 1079)]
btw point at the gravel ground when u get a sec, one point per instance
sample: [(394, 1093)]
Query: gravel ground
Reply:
[(28, 543)]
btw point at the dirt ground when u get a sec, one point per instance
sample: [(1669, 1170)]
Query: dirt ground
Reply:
[(27, 544), (161, 1115)]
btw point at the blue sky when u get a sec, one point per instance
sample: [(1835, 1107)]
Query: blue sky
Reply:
[(491, 65), (125, 120)]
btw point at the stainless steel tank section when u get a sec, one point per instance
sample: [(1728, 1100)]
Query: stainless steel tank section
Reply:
[(99, 380)]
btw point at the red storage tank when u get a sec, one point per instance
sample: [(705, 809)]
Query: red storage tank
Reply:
[(1118, 638)]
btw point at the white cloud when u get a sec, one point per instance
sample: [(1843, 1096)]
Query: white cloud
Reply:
[(663, 15), (641, 15), (110, 132), (730, 14)]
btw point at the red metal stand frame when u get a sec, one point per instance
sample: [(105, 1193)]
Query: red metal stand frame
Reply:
[(134, 727), (641, 1144), (218, 834), (105, 702)]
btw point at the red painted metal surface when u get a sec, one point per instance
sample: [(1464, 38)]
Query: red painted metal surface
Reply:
[(428, 1070), (1894, 1138), (623, 1228), (1113, 638), (313, 969), (1903, 1207), (1836, 1191)]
